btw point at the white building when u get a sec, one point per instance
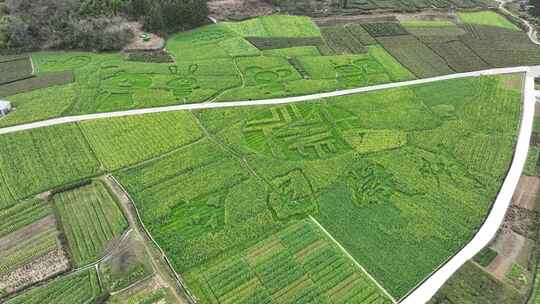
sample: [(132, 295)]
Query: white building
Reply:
[(5, 107)]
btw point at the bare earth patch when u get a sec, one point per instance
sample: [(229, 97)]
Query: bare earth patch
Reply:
[(511, 248), (527, 192), (40, 269), (137, 44), (238, 9)]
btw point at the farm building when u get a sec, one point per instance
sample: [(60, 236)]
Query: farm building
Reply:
[(5, 107)]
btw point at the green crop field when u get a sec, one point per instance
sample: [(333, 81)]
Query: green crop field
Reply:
[(401, 178), (345, 162), (90, 219), (127, 140), (79, 288), (299, 264), (414, 55), (22, 214), (38, 160), (487, 18), (18, 247), (223, 62)]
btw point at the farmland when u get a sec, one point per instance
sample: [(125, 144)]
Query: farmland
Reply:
[(137, 138), (91, 220), (296, 265), (14, 69), (39, 160), (231, 61), (349, 199), (317, 154), (30, 248), (79, 288)]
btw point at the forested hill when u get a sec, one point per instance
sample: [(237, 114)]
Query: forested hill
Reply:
[(91, 24)]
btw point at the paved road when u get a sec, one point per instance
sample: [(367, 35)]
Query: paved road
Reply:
[(489, 229), (531, 29), (277, 101), (426, 289)]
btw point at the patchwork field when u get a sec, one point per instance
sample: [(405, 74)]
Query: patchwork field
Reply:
[(79, 288), (296, 265), (265, 57), (41, 159), (30, 249), (262, 168), (90, 219), (350, 199)]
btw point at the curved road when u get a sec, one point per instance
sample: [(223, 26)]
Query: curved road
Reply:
[(276, 101), (531, 29), (426, 289)]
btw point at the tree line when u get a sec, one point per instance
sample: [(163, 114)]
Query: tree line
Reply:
[(91, 24)]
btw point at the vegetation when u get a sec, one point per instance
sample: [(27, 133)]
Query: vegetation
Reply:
[(14, 69), (472, 285), (263, 168), (485, 257), (128, 140), (414, 55), (78, 288), (35, 83), (90, 219), (22, 214), (23, 250), (298, 264), (218, 62), (89, 24), (487, 18), (41, 159)]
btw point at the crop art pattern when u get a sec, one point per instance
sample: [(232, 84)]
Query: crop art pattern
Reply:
[(398, 177)]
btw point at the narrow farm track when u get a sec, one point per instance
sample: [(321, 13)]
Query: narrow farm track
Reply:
[(531, 31), (275, 101), (427, 288)]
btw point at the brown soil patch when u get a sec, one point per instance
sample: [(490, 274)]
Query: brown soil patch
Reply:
[(137, 44), (40, 269), (12, 239), (238, 9), (527, 191), (521, 221), (511, 247)]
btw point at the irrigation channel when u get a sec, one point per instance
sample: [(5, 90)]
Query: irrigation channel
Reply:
[(425, 290)]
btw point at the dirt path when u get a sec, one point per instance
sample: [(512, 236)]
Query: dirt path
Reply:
[(531, 29), (163, 271)]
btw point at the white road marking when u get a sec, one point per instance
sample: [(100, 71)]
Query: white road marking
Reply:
[(275, 101)]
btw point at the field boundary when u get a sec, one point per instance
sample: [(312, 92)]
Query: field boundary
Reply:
[(177, 277), (352, 259), (260, 102), (427, 288)]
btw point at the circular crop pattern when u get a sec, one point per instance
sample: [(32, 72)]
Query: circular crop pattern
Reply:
[(266, 77), (78, 61), (127, 81), (182, 86)]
